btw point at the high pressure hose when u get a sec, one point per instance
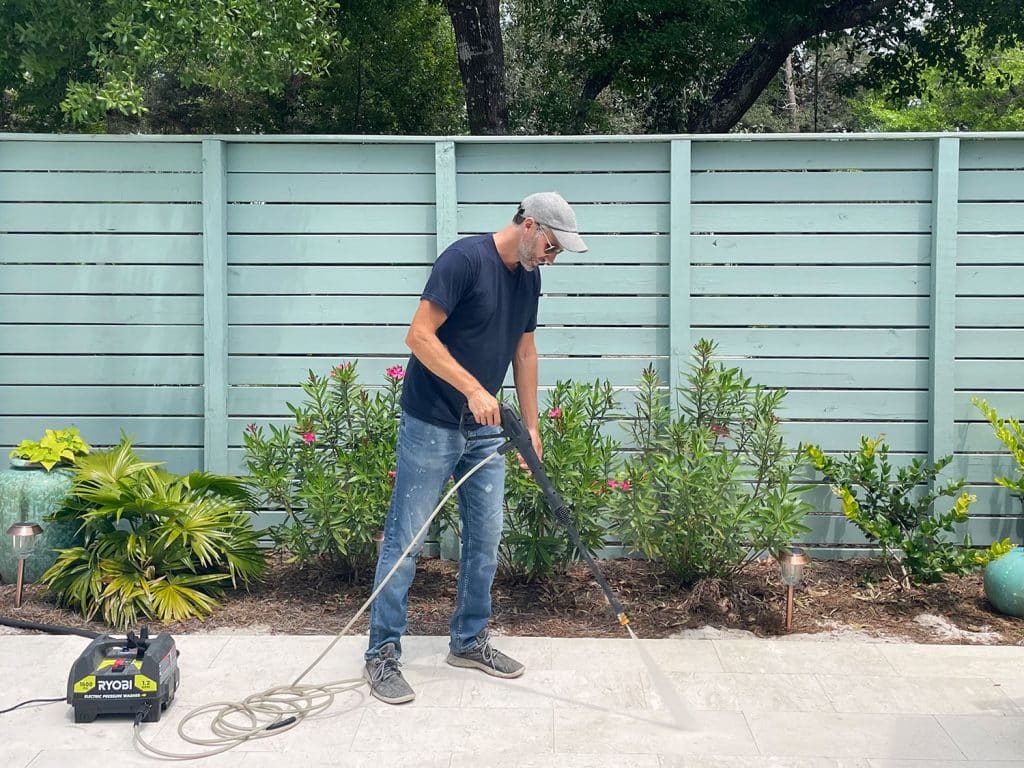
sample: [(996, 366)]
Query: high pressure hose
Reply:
[(50, 629), (279, 709)]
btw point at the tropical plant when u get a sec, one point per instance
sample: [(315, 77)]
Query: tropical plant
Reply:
[(56, 446), (710, 488), (897, 512), (1011, 435), (157, 545), (331, 471), (580, 459)]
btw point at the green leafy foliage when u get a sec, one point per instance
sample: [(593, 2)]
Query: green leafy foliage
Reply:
[(710, 488), (156, 545), (580, 459), (1011, 435), (332, 470), (993, 101), (897, 512), (56, 446)]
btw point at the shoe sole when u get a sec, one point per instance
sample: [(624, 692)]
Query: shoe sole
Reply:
[(388, 699), (459, 661)]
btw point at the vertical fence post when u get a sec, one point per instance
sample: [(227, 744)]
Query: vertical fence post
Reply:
[(446, 203), (215, 308), (946, 176), (679, 264), (446, 210)]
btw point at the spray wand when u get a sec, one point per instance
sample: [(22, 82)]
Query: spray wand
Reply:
[(517, 437)]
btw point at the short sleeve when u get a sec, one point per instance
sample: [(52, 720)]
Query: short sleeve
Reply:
[(449, 280), (531, 323)]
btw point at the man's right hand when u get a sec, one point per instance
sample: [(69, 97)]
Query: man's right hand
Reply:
[(484, 407)]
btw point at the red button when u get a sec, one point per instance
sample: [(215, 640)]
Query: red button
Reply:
[(118, 665)]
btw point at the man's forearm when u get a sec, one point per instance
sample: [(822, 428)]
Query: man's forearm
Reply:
[(524, 372)]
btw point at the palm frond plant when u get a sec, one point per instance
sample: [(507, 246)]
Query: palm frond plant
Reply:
[(157, 545)]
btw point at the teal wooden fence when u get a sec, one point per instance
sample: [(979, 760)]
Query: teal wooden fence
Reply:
[(178, 288)]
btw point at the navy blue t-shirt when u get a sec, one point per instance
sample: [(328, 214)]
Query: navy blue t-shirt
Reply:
[(489, 308)]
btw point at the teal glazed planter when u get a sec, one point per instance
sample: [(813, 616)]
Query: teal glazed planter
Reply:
[(1004, 582), (30, 495)]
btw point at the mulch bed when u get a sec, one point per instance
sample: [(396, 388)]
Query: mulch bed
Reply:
[(846, 596)]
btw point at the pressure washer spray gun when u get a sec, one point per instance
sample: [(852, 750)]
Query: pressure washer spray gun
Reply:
[(518, 438)]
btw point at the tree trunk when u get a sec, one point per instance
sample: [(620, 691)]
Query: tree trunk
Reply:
[(477, 26), (754, 70), (794, 122)]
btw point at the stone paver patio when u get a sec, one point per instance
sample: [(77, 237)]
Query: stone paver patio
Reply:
[(583, 703)]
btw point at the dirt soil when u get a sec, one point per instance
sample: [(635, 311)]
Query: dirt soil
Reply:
[(839, 599)]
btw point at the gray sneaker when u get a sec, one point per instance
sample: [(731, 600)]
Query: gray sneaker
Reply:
[(485, 658), (385, 677)]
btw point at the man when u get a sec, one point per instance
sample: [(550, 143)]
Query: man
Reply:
[(476, 315)]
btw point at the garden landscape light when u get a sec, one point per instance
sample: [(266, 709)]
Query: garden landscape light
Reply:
[(23, 543), (792, 562)]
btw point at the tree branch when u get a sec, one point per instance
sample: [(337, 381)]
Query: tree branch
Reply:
[(751, 74)]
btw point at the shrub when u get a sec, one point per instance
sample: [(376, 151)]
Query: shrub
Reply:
[(579, 458), (156, 544), (897, 512), (710, 488), (56, 447), (332, 470), (1010, 434)]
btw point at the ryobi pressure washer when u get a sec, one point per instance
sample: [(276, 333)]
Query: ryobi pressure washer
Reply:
[(124, 676)]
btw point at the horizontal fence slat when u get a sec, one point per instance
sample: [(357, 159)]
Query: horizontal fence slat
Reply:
[(330, 188), (330, 158), (578, 188), (989, 312), (609, 218), (811, 249), (853, 405), (100, 249), (101, 187), (342, 218), (1004, 155), (171, 431), (331, 249), (812, 154), (160, 310), (991, 185), (986, 374), (73, 370), (977, 280), (73, 339), (800, 280), (64, 400), (989, 249), (102, 279), (101, 217), (812, 218), (991, 217), (828, 186), (561, 158), (998, 343), (101, 155), (815, 311), (818, 342), (833, 373)]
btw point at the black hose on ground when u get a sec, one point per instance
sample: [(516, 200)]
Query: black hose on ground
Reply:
[(50, 629)]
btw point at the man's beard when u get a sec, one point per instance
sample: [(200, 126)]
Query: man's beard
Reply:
[(526, 251)]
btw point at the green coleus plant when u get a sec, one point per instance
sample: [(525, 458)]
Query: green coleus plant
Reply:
[(62, 445)]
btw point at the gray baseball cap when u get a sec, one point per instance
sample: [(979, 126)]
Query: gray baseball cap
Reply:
[(551, 210)]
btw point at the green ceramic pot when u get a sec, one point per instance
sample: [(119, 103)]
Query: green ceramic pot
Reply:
[(29, 494), (1004, 582)]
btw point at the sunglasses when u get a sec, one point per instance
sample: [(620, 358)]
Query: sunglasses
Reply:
[(552, 249)]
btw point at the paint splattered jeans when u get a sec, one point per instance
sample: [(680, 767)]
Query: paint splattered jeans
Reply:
[(427, 456)]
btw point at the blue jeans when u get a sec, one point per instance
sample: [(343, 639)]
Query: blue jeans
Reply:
[(427, 456)]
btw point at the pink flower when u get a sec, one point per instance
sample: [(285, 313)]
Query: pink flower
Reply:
[(720, 429), (340, 369), (612, 483), (309, 437), (251, 428), (555, 413), (392, 474), (395, 373), (624, 485)]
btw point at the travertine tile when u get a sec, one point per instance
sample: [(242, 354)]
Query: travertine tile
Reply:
[(982, 737), (400, 729), (746, 692), (798, 657), (961, 660), (917, 695), (581, 731), (557, 688), (819, 734), (676, 761), (626, 655)]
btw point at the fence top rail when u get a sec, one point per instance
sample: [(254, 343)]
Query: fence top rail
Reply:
[(543, 139)]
